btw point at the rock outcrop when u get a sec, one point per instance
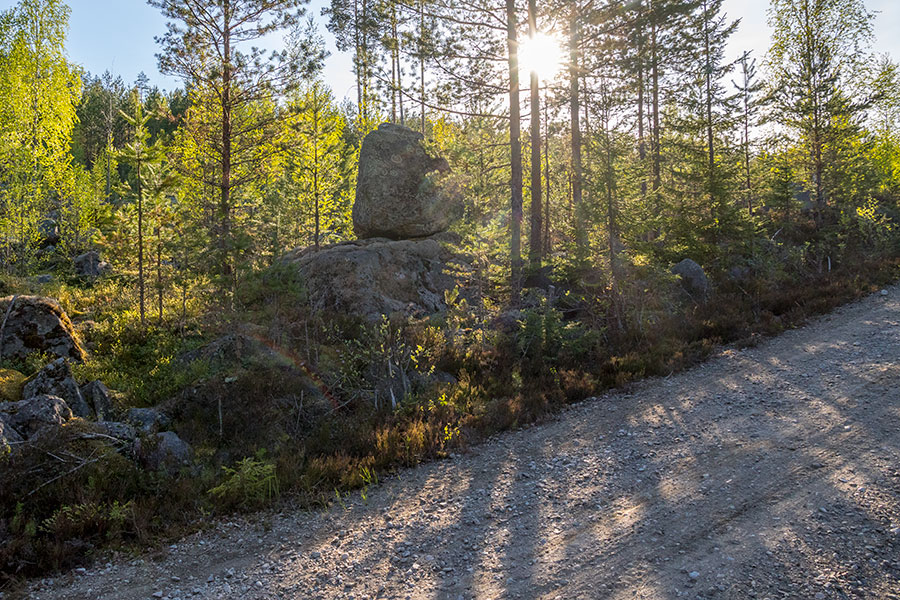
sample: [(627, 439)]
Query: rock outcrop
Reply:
[(404, 205), (31, 324), (230, 350), (56, 380), (399, 191), (29, 417), (693, 279), (371, 278)]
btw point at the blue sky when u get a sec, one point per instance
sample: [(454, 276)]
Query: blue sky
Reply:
[(117, 35)]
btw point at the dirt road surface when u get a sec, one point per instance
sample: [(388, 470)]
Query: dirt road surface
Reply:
[(771, 472)]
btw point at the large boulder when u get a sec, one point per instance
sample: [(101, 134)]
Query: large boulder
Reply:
[(29, 417), (693, 279), (371, 278), (56, 380), (90, 265), (400, 193), (35, 324)]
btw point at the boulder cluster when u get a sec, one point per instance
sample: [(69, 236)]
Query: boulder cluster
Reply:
[(38, 406), (404, 202)]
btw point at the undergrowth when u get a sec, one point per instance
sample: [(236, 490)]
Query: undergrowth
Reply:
[(342, 401)]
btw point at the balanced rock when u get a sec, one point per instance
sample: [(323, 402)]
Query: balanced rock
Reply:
[(399, 190), (56, 380), (35, 324), (693, 279), (375, 277)]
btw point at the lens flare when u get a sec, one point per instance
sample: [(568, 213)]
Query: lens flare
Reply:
[(542, 54)]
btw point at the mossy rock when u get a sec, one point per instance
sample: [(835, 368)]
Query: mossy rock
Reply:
[(11, 385)]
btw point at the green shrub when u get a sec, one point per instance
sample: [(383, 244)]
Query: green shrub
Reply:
[(252, 483)]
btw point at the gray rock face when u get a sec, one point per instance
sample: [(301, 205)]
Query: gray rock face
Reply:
[(399, 194), (164, 452), (98, 399), (693, 279), (29, 417), (120, 431), (147, 420), (90, 265), (9, 437), (371, 278), (37, 324), (56, 380)]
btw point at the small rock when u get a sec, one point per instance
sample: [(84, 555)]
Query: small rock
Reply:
[(164, 452), (147, 420), (694, 575), (90, 265), (99, 399)]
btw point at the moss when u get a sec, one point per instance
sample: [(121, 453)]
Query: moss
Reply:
[(12, 383)]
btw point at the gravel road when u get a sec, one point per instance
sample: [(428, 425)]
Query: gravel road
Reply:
[(771, 472)]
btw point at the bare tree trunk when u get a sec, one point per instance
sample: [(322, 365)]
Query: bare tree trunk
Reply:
[(546, 247), (575, 117), (642, 146), (515, 148), (225, 186), (710, 139), (422, 62), (535, 254), (159, 281), (140, 236), (654, 68), (316, 169)]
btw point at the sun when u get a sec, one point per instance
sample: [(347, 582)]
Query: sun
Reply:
[(542, 54)]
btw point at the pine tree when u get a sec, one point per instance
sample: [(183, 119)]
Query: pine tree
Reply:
[(317, 151), (818, 50), (149, 180), (748, 87), (203, 45)]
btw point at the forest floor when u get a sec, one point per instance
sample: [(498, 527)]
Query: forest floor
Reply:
[(768, 472)]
